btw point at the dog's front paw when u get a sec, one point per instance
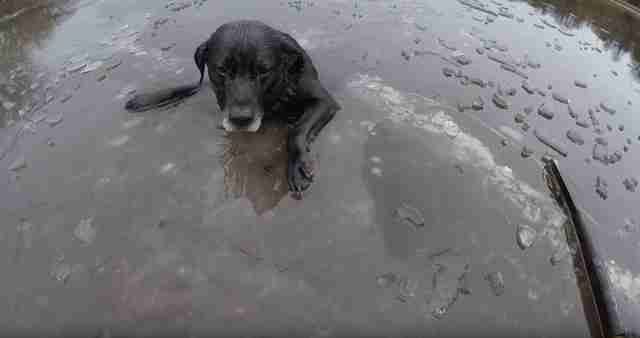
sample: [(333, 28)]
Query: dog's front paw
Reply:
[(300, 175)]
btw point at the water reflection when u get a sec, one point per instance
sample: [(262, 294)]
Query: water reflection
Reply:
[(618, 29), (255, 166), (24, 25)]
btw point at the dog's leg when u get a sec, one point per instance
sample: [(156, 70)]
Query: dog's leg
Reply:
[(315, 117)]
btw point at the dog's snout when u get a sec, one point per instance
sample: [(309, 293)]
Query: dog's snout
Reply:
[(242, 121), (242, 101), (241, 115)]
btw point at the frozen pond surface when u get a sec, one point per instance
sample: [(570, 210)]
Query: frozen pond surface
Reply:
[(425, 217)]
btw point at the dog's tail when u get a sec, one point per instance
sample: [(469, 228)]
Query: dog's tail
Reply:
[(161, 98), (165, 97)]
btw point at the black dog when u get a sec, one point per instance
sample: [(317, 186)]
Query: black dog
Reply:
[(255, 71)]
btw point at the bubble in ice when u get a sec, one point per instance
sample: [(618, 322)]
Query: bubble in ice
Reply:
[(606, 106), (547, 23), (630, 225), (167, 168), (76, 67), (113, 66), (479, 82), (449, 282), (557, 257), (602, 188), (514, 70), (92, 66), (477, 104), (580, 84), (500, 101), (119, 141), (528, 87), (571, 112), (386, 280), (61, 272), (376, 171), (630, 183), (448, 72), (601, 140), (575, 137), (410, 214), (545, 112), (132, 123), (560, 97), (526, 152), (525, 236), (54, 120), (65, 98), (496, 282), (463, 60), (18, 164), (511, 133), (85, 231), (533, 295), (439, 312)]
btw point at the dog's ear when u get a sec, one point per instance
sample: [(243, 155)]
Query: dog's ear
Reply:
[(201, 57), (292, 54)]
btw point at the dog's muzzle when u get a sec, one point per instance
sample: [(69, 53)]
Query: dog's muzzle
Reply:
[(249, 123)]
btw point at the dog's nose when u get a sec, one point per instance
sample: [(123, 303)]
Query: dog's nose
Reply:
[(241, 116), (241, 121)]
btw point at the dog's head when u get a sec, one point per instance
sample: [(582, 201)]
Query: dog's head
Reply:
[(251, 66)]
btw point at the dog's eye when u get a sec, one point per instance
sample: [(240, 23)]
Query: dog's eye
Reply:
[(221, 71)]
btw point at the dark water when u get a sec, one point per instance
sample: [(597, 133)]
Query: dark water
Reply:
[(114, 223)]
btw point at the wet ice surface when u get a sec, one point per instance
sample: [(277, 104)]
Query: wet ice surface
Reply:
[(164, 218)]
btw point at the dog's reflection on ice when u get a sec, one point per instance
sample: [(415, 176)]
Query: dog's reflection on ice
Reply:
[(255, 166)]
